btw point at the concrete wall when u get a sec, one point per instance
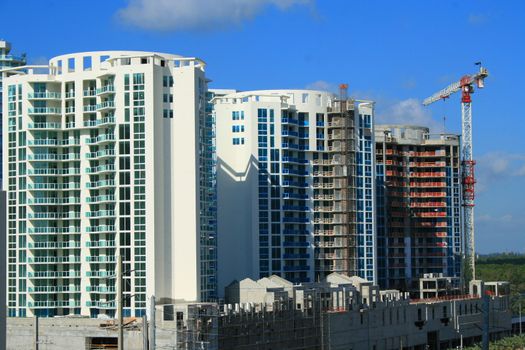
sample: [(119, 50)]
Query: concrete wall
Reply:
[(70, 333)]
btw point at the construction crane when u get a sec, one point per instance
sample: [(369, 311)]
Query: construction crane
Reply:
[(466, 86)]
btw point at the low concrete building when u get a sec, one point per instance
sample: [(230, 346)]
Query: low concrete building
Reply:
[(340, 312)]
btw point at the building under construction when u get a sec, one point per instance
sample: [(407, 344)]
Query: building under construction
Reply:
[(339, 190), (418, 205)]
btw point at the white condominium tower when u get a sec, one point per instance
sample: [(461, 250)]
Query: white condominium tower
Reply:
[(107, 154), (295, 187), (7, 60)]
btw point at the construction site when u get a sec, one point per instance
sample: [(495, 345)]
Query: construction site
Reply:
[(338, 313)]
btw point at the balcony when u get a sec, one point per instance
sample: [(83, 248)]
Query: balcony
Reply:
[(54, 172), (70, 110), (54, 186), (101, 199), (44, 95), (91, 92), (100, 213), (53, 230), (100, 169), (53, 304), (100, 184), (53, 215), (294, 160), (287, 183), (54, 200), (100, 244), (53, 142), (101, 304), (105, 105), (48, 126), (99, 122), (44, 110), (101, 258), (100, 138), (105, 90), (54, 289), (90, 108), (54, 274), (101, 228), (54, 245), (54, 259), (100, 289), (53, 157), (101, 154), (100, 274)]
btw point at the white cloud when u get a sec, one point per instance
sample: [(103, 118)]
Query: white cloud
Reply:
[(323, 86), (197, 14), (409, 111), (498, 166), (477, 18)]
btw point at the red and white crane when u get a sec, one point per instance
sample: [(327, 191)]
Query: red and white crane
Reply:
[(466, 86)]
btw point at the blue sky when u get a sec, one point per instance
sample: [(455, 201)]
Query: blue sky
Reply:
[(395, 52)]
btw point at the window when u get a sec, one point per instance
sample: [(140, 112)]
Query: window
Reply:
[(87, 63), (304, 98)]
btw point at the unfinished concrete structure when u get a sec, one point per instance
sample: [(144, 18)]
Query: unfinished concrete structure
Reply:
[(418, 205), (340, 312)]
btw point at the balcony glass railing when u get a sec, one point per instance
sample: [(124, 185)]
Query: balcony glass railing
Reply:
[(54, 274), (44, 110), (105, 89), (93, 123), (100, 259), (101, 138), (101, 183), (46, 229), (47, 95), (54, 200), (51, 304), (54, 289), (53, 215), (100, 168), (105, 104), (101, 153), (44, 126), (54, 186), (100, 213), (100, 244), (90, 92), (101, 228), (96, 199), (50, 171), (53, 156), (54, 245)]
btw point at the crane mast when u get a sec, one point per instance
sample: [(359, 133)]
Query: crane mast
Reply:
[(466, 85)]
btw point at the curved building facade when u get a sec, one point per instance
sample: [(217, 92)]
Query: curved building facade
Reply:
[(104, 158)]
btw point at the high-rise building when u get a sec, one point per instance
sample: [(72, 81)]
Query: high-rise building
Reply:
[(7, 61), (295, 182), (106, 154), (418, 205)]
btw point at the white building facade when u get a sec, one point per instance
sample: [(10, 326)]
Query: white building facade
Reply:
[(295, 185), (106, 154)]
